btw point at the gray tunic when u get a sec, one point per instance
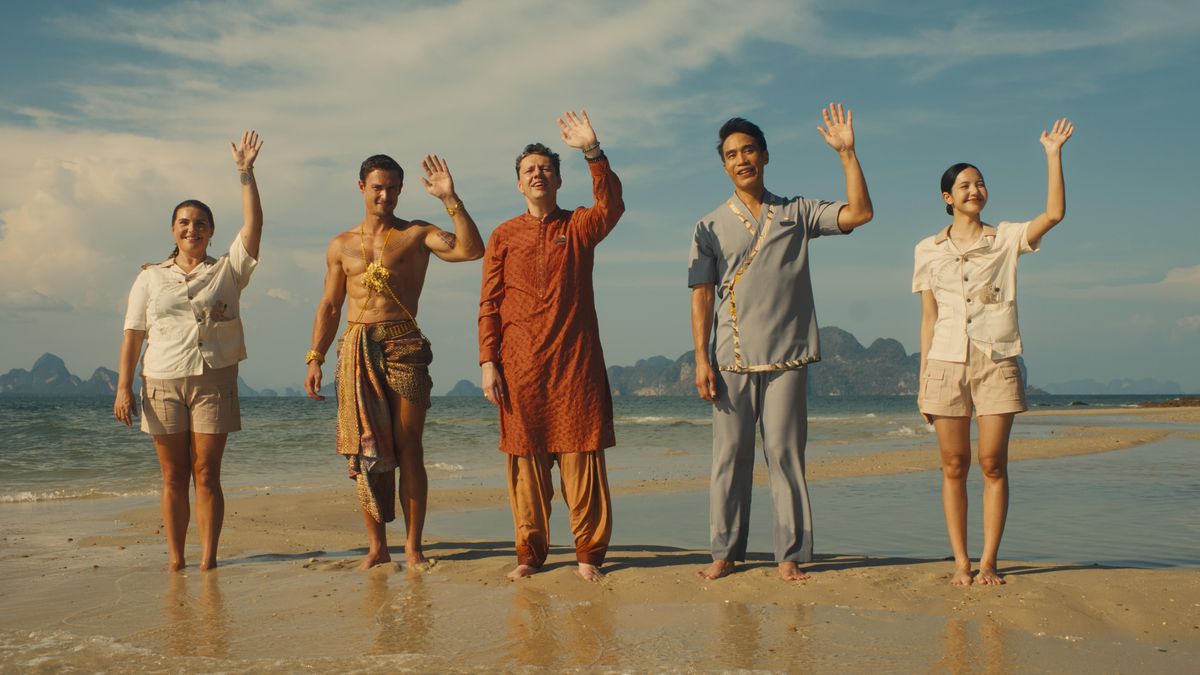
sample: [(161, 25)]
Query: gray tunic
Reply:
[(765, 319)]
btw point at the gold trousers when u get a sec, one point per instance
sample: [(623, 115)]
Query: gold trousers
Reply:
[(584, 481)]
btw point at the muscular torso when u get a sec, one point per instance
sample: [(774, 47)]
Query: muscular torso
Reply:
[(406, 258)]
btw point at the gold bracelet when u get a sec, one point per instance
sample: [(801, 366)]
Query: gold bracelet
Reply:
[(314, 355), (454, 208)]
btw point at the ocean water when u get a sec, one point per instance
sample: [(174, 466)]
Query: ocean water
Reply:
[(71, 448)]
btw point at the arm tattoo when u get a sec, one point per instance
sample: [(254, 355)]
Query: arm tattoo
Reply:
[(447, 238), (245, 178)]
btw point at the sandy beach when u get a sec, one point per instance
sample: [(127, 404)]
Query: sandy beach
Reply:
[(82, 586)]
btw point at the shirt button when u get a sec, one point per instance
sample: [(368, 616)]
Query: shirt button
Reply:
[(964, 278), (968, 301), (968, 321), (200, 343)]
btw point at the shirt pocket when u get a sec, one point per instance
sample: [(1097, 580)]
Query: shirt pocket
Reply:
[(999, 321)]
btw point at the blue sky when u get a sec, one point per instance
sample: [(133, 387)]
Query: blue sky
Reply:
[(111, 113)]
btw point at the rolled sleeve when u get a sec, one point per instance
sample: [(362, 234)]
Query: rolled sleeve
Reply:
[(241, 264), (1021, 231), (702, 263), (138, 305)]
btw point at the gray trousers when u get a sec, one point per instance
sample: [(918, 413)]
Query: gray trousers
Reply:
[(774, 404)]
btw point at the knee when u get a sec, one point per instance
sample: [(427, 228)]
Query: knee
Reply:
[(993, 469), (208, 477), (176, 479), (956, 468)]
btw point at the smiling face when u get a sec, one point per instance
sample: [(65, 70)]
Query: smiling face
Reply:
[(537, 179), (744, 161), (192, 229), (380, 190), (968, 194)]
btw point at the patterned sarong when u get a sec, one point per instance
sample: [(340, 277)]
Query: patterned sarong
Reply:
[(374, 359)]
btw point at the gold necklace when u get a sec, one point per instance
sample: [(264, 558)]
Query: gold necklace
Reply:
[(375, 277)]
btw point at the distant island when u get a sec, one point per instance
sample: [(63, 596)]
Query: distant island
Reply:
[(846, 368)]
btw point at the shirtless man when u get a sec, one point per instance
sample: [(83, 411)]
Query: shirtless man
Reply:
[(377, 269)]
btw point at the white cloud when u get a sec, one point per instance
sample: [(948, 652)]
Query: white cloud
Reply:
[(280, 294), (1190, 323)]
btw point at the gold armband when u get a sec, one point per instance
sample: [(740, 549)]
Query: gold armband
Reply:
[(314, 355), (453, 209)]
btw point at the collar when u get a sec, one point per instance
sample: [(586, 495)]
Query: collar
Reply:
[(940, 237), (170, 262)]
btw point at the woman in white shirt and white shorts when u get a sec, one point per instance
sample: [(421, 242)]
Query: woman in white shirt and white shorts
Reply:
[(967, 277), (187, 311)]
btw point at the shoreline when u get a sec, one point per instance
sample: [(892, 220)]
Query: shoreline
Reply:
[(82, 586)]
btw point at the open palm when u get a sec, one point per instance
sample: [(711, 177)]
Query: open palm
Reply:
[(1054, 139), (245, 152), (577, 130)]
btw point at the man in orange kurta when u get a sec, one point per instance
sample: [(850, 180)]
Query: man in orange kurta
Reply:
[(539, 347)]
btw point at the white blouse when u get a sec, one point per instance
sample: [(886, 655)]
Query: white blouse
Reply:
[(976, 291), (191, 319)]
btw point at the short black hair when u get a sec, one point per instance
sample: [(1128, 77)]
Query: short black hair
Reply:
[(740, 125), (380, 162), (949, 176), (538, 149)]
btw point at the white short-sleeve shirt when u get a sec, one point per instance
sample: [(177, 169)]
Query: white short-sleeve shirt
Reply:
[(192, 318), (976, 291)]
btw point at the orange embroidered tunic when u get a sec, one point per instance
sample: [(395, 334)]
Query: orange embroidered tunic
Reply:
[(537, 321)]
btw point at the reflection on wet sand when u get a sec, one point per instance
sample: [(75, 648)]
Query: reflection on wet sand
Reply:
[(961, 653), (197, 627), (554, 633), (401, 617)]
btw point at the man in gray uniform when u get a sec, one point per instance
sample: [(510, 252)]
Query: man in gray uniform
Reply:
[(750, 256)]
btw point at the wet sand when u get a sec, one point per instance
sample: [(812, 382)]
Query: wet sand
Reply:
[(82, 586)]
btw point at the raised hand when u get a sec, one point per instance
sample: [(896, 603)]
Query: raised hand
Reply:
[(246, 152), (838, 131), (577, 130), (1053, 140), (437, 179)]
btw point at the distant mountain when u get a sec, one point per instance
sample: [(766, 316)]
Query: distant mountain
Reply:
[(49, 377), (1114, 387), (846, 368), (465, 388)]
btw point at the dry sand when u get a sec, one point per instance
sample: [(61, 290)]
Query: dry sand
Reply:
[(286, 598)]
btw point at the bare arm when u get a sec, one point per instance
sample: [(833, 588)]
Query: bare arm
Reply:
[(929, 315), (244, 155), (1056, 199), (465, 244), (125, 407), (702, 321), (329, 313), (838, 132)]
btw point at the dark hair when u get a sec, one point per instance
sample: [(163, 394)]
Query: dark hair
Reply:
[(740, 125), (950, 175), (194, 204), (380, 162), (538, 149)]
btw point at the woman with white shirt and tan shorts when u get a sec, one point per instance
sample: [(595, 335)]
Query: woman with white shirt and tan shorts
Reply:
[(967, 277), (186, 310)]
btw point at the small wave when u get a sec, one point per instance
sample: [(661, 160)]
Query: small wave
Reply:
[(443, 466), (826, 418), (870, 415), (662, 420), (29, 496)]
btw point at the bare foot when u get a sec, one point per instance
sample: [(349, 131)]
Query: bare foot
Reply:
[(790, 571), (590, 572), (988, 576), (176, 566), (718, 569), (415, 558), (962, 575), (208, 565), (374, 559), (522, 571)]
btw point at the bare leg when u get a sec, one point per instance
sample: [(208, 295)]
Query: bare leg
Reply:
[(408, 425), (954, 438), (377, 547), (790, 571), (210, 499), (994, 431), (174, 459), (718, 569)]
